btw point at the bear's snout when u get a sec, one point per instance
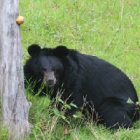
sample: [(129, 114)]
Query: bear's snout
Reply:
[(50, 82), (49, 78)]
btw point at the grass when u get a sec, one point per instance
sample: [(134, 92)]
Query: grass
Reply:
[(107, 29)]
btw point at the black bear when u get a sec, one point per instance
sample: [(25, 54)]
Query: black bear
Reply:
[(84, 77)]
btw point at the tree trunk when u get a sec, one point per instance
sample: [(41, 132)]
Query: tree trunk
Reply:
[(15, 107)]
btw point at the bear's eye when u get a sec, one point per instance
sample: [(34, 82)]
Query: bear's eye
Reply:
[(55, 71), (43, 70)]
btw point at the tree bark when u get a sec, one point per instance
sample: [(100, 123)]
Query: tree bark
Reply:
[(15, 107)]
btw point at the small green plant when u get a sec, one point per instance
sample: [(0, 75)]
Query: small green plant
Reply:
[(129, 101), (65, 107)]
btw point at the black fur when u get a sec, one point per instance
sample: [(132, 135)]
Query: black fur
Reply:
[(105, 87)]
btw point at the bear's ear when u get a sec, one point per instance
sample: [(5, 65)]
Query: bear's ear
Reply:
[(61, 51), (34, 49)]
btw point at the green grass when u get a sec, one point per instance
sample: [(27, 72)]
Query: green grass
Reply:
[(107, 29)]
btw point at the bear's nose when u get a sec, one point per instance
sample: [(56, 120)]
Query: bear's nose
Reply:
[(50, 82)]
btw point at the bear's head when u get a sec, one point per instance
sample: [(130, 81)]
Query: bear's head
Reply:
[(46, 64)]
